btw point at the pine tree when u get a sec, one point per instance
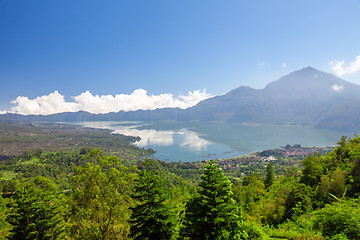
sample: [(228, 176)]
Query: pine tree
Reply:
[(213, 213), (270, 175), (35, 213), (150, 218)]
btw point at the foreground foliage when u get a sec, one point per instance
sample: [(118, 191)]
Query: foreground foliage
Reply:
[(87, 194)]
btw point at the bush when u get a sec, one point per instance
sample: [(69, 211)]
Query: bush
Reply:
[(340, 236), (339, 220), (254, 231)]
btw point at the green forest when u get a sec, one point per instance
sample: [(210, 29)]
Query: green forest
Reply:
[(63, 182)]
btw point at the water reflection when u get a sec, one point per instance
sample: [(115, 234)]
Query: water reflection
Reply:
[(193, 141), (150, 137)]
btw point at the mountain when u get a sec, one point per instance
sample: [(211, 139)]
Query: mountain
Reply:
[(305, 97)]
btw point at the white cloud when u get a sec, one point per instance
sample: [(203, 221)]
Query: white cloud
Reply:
[(48, 104), (340, 70), (284, 65), (3, 112), (337, 87), (139, 99)]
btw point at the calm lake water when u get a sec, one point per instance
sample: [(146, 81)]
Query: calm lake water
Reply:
[(194, 141)]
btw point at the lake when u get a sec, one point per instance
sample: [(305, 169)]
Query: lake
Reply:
[(195, 141)]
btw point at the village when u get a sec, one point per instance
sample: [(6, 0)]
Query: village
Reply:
[(286, 156)]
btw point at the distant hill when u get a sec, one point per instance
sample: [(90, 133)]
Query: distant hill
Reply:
[(305, 97)]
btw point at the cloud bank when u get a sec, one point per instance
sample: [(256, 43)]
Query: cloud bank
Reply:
[(340, 70), (137, 100)]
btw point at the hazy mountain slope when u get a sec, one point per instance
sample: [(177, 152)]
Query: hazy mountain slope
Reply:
[(301, 95), (298, 97), (222, 108), (340, 114)]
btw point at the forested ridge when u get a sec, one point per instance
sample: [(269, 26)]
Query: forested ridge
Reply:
[(91, 194)]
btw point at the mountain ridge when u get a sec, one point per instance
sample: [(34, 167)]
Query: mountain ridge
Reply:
[(306, 97)]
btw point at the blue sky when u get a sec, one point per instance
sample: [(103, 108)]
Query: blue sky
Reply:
[(167, 47)]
